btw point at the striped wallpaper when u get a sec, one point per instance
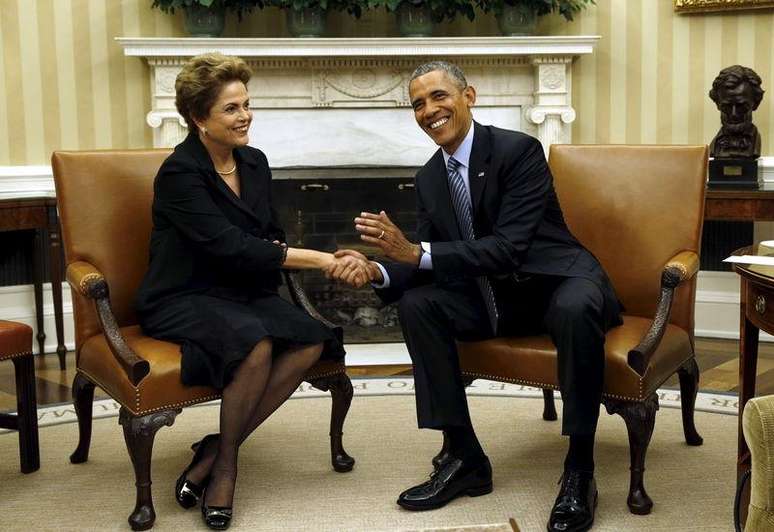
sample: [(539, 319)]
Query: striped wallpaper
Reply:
[(65, 84)]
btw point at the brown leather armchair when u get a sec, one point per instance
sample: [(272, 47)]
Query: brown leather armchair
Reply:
[(640, 210), (105, 208)]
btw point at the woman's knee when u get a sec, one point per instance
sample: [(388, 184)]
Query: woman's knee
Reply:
[(260, 356), (312, 353)]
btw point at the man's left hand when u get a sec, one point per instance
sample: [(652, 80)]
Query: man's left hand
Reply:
[(378, 230)]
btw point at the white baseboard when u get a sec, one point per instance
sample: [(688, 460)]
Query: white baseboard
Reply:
[(17, 303)]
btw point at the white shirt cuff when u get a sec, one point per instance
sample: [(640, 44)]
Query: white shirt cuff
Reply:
[(386, 281), (426, 261)]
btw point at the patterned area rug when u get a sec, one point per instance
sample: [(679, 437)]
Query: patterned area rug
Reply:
[(286, 483), (706, 402)]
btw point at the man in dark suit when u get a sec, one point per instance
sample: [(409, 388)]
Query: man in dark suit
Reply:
[(495, 257)]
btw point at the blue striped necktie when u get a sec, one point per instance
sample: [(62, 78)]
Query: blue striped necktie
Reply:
[(461, 201)]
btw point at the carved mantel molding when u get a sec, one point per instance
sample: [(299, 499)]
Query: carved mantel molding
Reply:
[(522, 82)]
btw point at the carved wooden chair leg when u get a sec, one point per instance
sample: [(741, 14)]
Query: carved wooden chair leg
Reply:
[(83, 400), (29, 450), (640, 419), (689, 386), (139, 433), (341, 394), (549, 407)]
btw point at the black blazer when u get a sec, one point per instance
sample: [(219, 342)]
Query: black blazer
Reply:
[(516, 216), (205, 238)]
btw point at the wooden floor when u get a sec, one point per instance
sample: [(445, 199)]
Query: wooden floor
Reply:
[(718, 361)]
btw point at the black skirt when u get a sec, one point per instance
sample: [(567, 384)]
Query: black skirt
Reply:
[(216, 334)]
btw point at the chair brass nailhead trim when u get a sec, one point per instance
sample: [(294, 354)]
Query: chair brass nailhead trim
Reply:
[(175, 405), (85, 279), (554, 387), (334, 372), (680, 266), (16, 355), (543, 385), (136, 411)]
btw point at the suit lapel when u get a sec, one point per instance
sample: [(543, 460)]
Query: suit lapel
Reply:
[(246, 171), (478, 169)]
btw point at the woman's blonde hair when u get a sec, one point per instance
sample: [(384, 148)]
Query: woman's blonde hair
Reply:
[(199, 82)]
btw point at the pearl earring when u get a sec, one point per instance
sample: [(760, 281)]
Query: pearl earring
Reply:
[(204, 131)]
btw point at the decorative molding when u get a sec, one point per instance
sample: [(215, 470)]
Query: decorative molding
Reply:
[(327, 94), (162, 50)]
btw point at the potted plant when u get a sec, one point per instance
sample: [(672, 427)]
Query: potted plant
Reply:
[(307, 18), (519, 17), (206, 18), (416, 17)]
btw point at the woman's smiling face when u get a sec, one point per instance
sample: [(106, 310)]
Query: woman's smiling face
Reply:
[(229, 119)]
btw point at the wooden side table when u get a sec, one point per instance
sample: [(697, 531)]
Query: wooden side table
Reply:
[(39, 214), (739, 205), (756, 313)]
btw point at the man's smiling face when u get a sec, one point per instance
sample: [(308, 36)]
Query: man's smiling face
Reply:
[(442, 108)]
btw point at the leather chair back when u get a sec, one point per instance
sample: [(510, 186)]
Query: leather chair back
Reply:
[(104, 200), (609, 195)]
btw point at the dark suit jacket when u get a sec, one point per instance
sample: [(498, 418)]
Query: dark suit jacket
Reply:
[(206, 239), (517, 219)]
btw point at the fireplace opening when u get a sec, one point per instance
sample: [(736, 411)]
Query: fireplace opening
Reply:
[(317, 208)]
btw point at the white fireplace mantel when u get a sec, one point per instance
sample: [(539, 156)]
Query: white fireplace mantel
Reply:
[(344, 101)]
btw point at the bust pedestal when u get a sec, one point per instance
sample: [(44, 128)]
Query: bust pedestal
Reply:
[(736, 173)]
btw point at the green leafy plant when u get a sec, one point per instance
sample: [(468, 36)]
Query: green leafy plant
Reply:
[(439, 9), (240, 7), (566, 8), (354, 7)]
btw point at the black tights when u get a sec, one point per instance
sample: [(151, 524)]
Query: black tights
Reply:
[(259, 386)]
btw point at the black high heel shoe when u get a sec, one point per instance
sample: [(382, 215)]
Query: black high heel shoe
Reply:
[(217, 517), (187, 493)]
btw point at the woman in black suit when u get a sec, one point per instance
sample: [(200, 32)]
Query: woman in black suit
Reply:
[(215, 258)]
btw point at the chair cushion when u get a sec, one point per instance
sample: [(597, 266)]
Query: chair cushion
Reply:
[(161, 389), (531, 360), (15, 339)]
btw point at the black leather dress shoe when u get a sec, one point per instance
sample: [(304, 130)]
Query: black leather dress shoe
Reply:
[(574, 508), (441, 458), (453, 479), (188, 493)]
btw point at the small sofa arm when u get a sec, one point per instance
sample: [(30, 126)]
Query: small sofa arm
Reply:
[(680, 268), (89, 282)]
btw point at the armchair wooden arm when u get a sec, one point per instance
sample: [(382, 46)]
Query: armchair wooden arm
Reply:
[(678, 269), (88, 281), (300, 298)]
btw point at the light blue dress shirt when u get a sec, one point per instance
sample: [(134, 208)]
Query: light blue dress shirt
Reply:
[(462, 155)]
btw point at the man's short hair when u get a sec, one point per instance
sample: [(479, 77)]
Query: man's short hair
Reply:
[(453, 71)]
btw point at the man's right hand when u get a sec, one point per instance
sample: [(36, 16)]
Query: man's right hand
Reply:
[(373, 271)]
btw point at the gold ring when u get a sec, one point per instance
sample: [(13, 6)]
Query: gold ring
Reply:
[(381, 236)]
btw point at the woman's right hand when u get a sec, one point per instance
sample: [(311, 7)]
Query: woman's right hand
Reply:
[(352, 268)]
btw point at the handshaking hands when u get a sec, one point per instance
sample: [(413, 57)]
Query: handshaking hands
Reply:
[(352, 267)]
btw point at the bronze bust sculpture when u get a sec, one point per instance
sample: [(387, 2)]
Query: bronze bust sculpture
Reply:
[(737, 93)]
